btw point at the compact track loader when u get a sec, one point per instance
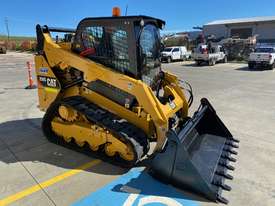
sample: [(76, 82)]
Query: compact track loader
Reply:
[(103, 91)]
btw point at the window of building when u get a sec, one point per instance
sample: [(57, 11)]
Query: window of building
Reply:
[(242, 33)]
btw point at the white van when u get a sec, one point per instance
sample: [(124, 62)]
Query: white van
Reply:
[(170, 54)]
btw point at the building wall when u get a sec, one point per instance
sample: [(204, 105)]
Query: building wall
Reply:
[(265, 30)]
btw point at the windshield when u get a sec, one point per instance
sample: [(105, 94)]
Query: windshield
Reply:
[(167, 49), (265, 50), (150, 53)]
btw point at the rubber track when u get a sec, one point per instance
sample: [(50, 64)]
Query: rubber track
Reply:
[(120, 128)]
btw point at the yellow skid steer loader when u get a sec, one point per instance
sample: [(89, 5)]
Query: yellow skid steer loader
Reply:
[(103, 91)]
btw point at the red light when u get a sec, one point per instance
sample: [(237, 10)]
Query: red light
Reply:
[(205, 51)]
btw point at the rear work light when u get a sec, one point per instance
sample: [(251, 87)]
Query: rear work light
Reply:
[(205, 51)]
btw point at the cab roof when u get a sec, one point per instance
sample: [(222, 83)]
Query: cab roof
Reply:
[(130, 18)]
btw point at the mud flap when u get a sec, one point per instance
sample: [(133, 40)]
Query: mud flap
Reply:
[(198, 157)]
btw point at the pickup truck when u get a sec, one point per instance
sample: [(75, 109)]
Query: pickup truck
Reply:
[(170, 54), (209, 54), (263, 57)]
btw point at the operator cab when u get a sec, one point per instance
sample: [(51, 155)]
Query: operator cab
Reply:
[(128, 44)]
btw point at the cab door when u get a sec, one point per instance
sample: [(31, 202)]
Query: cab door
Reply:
[(176, 53), (221, 52)]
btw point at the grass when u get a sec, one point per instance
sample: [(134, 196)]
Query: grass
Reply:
[(17, 38)]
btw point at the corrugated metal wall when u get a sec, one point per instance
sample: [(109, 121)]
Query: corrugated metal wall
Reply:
[(264, 30)]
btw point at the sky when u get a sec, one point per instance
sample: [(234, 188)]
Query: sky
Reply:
[(180, 15)]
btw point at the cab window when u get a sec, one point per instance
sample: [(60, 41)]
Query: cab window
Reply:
[(106, 45)]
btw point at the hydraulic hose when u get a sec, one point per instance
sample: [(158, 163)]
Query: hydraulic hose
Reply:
[(187, 87)]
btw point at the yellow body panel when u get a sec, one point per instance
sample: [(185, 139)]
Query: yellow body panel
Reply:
[(46, 95), (65, 45), (151, 115)]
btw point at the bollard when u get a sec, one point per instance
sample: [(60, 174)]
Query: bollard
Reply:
[(31, 84)]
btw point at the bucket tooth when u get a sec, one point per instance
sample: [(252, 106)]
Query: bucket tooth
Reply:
[(226, 187), (227, 155), (233, 152), (230, 167), (230, 149), (225, 163), (232, 143), (235, 145), (224, 174), (235, 139), (222, 200), (232, 159), (220, 183)]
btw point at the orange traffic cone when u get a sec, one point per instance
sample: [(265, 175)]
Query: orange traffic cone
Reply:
[(31, 83)]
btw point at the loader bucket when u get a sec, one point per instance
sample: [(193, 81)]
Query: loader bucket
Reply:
[(197, 157)]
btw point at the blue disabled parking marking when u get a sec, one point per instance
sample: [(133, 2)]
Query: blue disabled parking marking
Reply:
[(136, 188)]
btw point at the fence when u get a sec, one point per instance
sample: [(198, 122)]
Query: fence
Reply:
[(19, 45)]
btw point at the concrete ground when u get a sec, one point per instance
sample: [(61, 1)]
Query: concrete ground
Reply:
[(243, 99)]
